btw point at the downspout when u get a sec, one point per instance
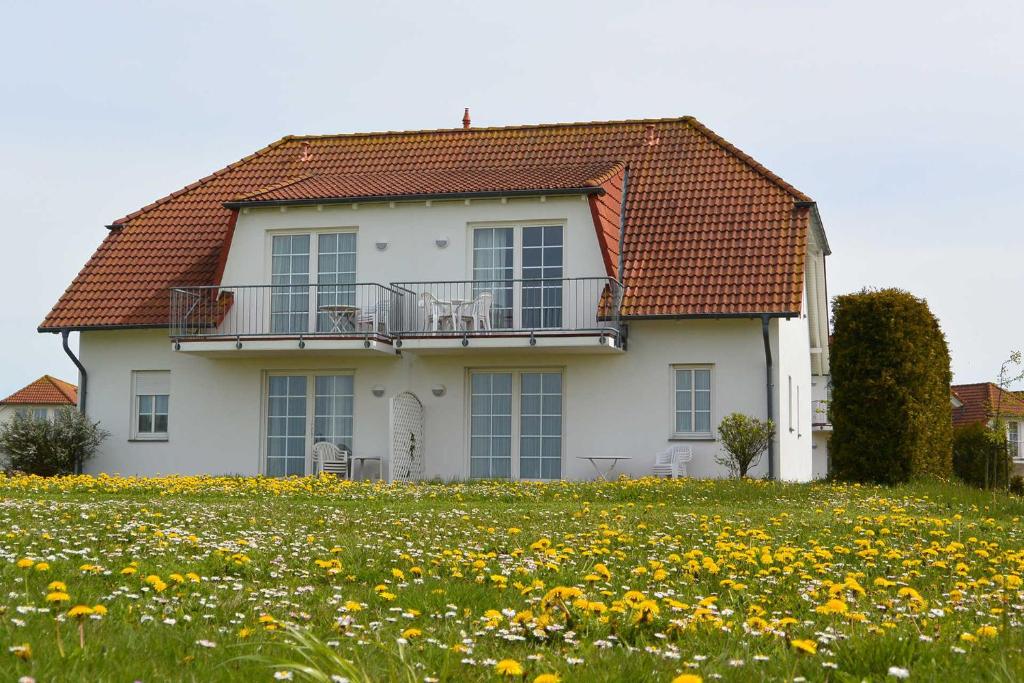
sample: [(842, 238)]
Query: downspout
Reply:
[(83, 380), (768, 390)]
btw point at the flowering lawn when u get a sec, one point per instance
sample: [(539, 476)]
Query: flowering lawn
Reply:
[(205, 579)]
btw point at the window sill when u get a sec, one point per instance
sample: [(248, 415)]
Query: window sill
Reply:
[(692, 437), (148, 439)]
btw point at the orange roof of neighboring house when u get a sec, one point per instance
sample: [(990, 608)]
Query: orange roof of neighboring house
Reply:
[(44, 391), (980, 402), (709, 231)]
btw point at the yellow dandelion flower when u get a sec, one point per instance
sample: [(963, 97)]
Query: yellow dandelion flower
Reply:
[(411, 633), (547, 678), (23, 651), (25, 563), (687, 678), (56, 586), (987, 632), (509, 667), (58, 596), (42, 567), (80, 611), (808, 646)]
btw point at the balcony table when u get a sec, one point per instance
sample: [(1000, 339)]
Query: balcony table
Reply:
[(342, 316), (594, 459)]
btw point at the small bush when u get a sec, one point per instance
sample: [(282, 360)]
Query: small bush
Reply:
[(1017, 485), (47, 448), (980, 457), (744, 439), (891, 419)]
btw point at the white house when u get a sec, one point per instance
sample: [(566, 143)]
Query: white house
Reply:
[(504, 302)]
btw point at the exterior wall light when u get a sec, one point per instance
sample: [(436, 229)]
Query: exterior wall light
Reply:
[(381, 246), (378, 390), (441, 242), (438, 390)]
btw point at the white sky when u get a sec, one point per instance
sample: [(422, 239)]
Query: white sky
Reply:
[(904, 120)]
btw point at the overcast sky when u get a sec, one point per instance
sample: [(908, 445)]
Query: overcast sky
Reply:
[(903, 120)]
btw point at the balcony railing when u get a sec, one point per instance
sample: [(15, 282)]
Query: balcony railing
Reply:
[(510, 306), (284, 310), (449, 308), (819, 415)]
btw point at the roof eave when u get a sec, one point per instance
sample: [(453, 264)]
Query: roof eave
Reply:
[(439, 196)]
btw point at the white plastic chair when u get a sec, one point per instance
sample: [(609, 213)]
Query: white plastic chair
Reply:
[(373, 317), (435, 312), (479, 316), (329, 459), (672, 461)]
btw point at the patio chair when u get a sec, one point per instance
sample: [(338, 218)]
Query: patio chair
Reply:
[(373, 317), (479, 314), (330, 459), (435, 312), (671, 462)]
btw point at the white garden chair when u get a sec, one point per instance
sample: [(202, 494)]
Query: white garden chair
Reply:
[(435, 312), (372, 316), (329, 459), (672, 461), (479, 315)]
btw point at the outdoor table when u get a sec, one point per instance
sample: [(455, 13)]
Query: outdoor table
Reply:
[(342, 316), (360, 459), (595, 459)]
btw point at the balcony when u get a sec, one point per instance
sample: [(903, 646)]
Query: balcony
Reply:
[(819, 416), (578, 314)]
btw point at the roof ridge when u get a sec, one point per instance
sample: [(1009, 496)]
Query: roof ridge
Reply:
[(63, 387), (202, 181), (483, 129), (750, 161)]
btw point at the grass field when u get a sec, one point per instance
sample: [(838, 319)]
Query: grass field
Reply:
[(304, 579)]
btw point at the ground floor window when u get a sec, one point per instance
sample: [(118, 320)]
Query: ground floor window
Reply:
[(692, 400), (516, 424), (151, 398), (303, 409), (1013, 439)]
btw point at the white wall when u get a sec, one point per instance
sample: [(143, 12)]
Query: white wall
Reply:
[(791, 346), (410, 229), (617, 404)]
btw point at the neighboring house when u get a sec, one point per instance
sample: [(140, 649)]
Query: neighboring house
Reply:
[(516, 299), (981, 403), (41, 400)]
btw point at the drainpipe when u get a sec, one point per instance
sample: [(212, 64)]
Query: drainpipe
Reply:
[(83, 380), (768, 390)]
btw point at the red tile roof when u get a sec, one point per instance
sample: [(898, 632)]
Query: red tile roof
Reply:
[(980, 401), (708, 230), (432, 183), (44, 391)]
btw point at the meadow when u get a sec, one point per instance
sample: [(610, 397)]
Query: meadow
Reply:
[(213, 579)]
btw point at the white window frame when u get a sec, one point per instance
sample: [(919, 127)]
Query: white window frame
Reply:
[(137, 435), (1015, 448), (314, 260), (517, 397), (517, 242), (310, 376), (673, 376)]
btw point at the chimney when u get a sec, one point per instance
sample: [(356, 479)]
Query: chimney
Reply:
[(649, 137), (465, 118)]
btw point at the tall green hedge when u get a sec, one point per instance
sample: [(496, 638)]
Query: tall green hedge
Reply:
[(980, 456), (890, 408)]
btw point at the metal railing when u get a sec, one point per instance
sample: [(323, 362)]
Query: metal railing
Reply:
[(509, 306), (819, 414), (284, 310)]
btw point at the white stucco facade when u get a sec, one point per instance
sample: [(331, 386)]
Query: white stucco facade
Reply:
[(616, 403)]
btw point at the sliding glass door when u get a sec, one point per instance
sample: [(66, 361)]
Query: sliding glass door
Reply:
[(336, 275), (542, 277), (289, 273), (515, 425), (494, 271), (303, 409)]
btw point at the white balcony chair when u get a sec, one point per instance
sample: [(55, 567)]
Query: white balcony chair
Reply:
[(672, 461), (479, 314), (372, 317), (330, 459), (435, 312)]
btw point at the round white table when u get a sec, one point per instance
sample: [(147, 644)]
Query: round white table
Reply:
[(595, 459)]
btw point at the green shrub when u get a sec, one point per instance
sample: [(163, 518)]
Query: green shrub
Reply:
[(45, 447), (1017, 485), (980, 457), (744, 439), (890, 410)]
